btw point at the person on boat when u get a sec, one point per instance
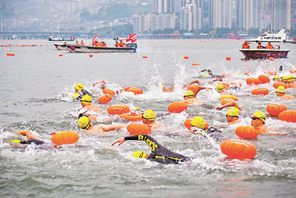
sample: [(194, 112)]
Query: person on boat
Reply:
[(245, 45), (79, 91), (269, 45), (117, 44), (85, 123), (281, 92), (232, 115), (200, 127), (103, 44), (259, 46), (158, 153), (149, 119), (77, 42), (82, 43), (122, 44)]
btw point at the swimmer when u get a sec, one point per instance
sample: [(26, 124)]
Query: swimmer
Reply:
[(149, 119), (190, 99), (281, 92), (79, 91), (158, 153), (258, 122), (231, 103), (85, 123), (30, 138), (232, 115)]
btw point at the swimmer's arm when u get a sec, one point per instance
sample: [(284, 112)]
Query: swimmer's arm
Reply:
[(107, 128), (229, 104)]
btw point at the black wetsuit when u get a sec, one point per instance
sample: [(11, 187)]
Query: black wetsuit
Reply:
[(159, 153), (32, 141)]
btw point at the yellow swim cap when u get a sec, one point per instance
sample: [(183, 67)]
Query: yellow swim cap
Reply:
[(288, 78), (219, 87), (198, 122), (83, 122), (259, 114), (189, 93), (233, 112), (280, 89), (140, 154), (75, 95), (86, 99), (276, 77), (79, 86), (149, 115)]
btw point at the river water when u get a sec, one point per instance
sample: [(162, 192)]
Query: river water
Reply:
[(36, 87)]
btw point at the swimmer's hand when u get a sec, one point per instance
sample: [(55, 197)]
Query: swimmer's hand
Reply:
[(119, 141), (219, 108)]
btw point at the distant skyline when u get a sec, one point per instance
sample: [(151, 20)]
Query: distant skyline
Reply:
[(147, 16)]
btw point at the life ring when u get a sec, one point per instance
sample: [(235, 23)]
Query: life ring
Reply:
[(177, 107), (138, 129), (260, 91), (263, 79), (131, 116), (135, 90), (288, 116), (228, 97), (108, 91), (64, 137), (105, 99), (275, 109), (118, 109), (246, 132), (238, 149)]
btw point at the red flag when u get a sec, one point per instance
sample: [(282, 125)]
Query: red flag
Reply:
[(132, 38)]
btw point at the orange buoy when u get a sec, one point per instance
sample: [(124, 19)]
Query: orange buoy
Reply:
[(195, 88), (275, 109), (270, 72), (186, 57), (293, 71), (138, 129), (61, 55), (263, 79), (277, 84), (246, 132), (145, 57), (187, 123), (238, 149), (250, 80), (195, 64), (10, 54), (108, 91), (256, 81), (118, 109), (135, 90), (228, 97), (228, 58), (90, 55), (64, 137), (177, 107), (105, 99), (131, 116), (260, 91), (288, 115)]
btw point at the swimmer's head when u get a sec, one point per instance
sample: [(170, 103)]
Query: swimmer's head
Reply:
[(149, 115), (219, 88), (84, 122), (259, 115), (86, 100), (189, 94), (78, 87), (198, 122), (280, 90), (233, 112)]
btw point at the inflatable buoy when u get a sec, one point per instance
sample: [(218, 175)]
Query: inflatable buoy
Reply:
[(246, 132), (293, 71), (105, 99), (260, 91), (10, 54), (145, 57), (177, 107), (263, 79), (186, 57), (238, 149), (195, 64), (135, 90), (256, 81), (228, 97), (250, 80), (61, 55), (64, 137), (275, 109), (138, 129), (228, 58), (131, 116), (288, 115), (108, 91), (118, 109)]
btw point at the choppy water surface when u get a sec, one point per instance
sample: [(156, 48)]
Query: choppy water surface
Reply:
[(36, 87)]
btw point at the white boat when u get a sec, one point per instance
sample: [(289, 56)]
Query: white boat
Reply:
[(281, 36)]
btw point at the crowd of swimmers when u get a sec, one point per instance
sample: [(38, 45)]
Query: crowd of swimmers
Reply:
[(89, 113)]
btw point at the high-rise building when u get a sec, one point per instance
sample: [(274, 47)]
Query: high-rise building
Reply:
[(249, 14), (281, 14), (222, 13), (164, 6), (190, 16)]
